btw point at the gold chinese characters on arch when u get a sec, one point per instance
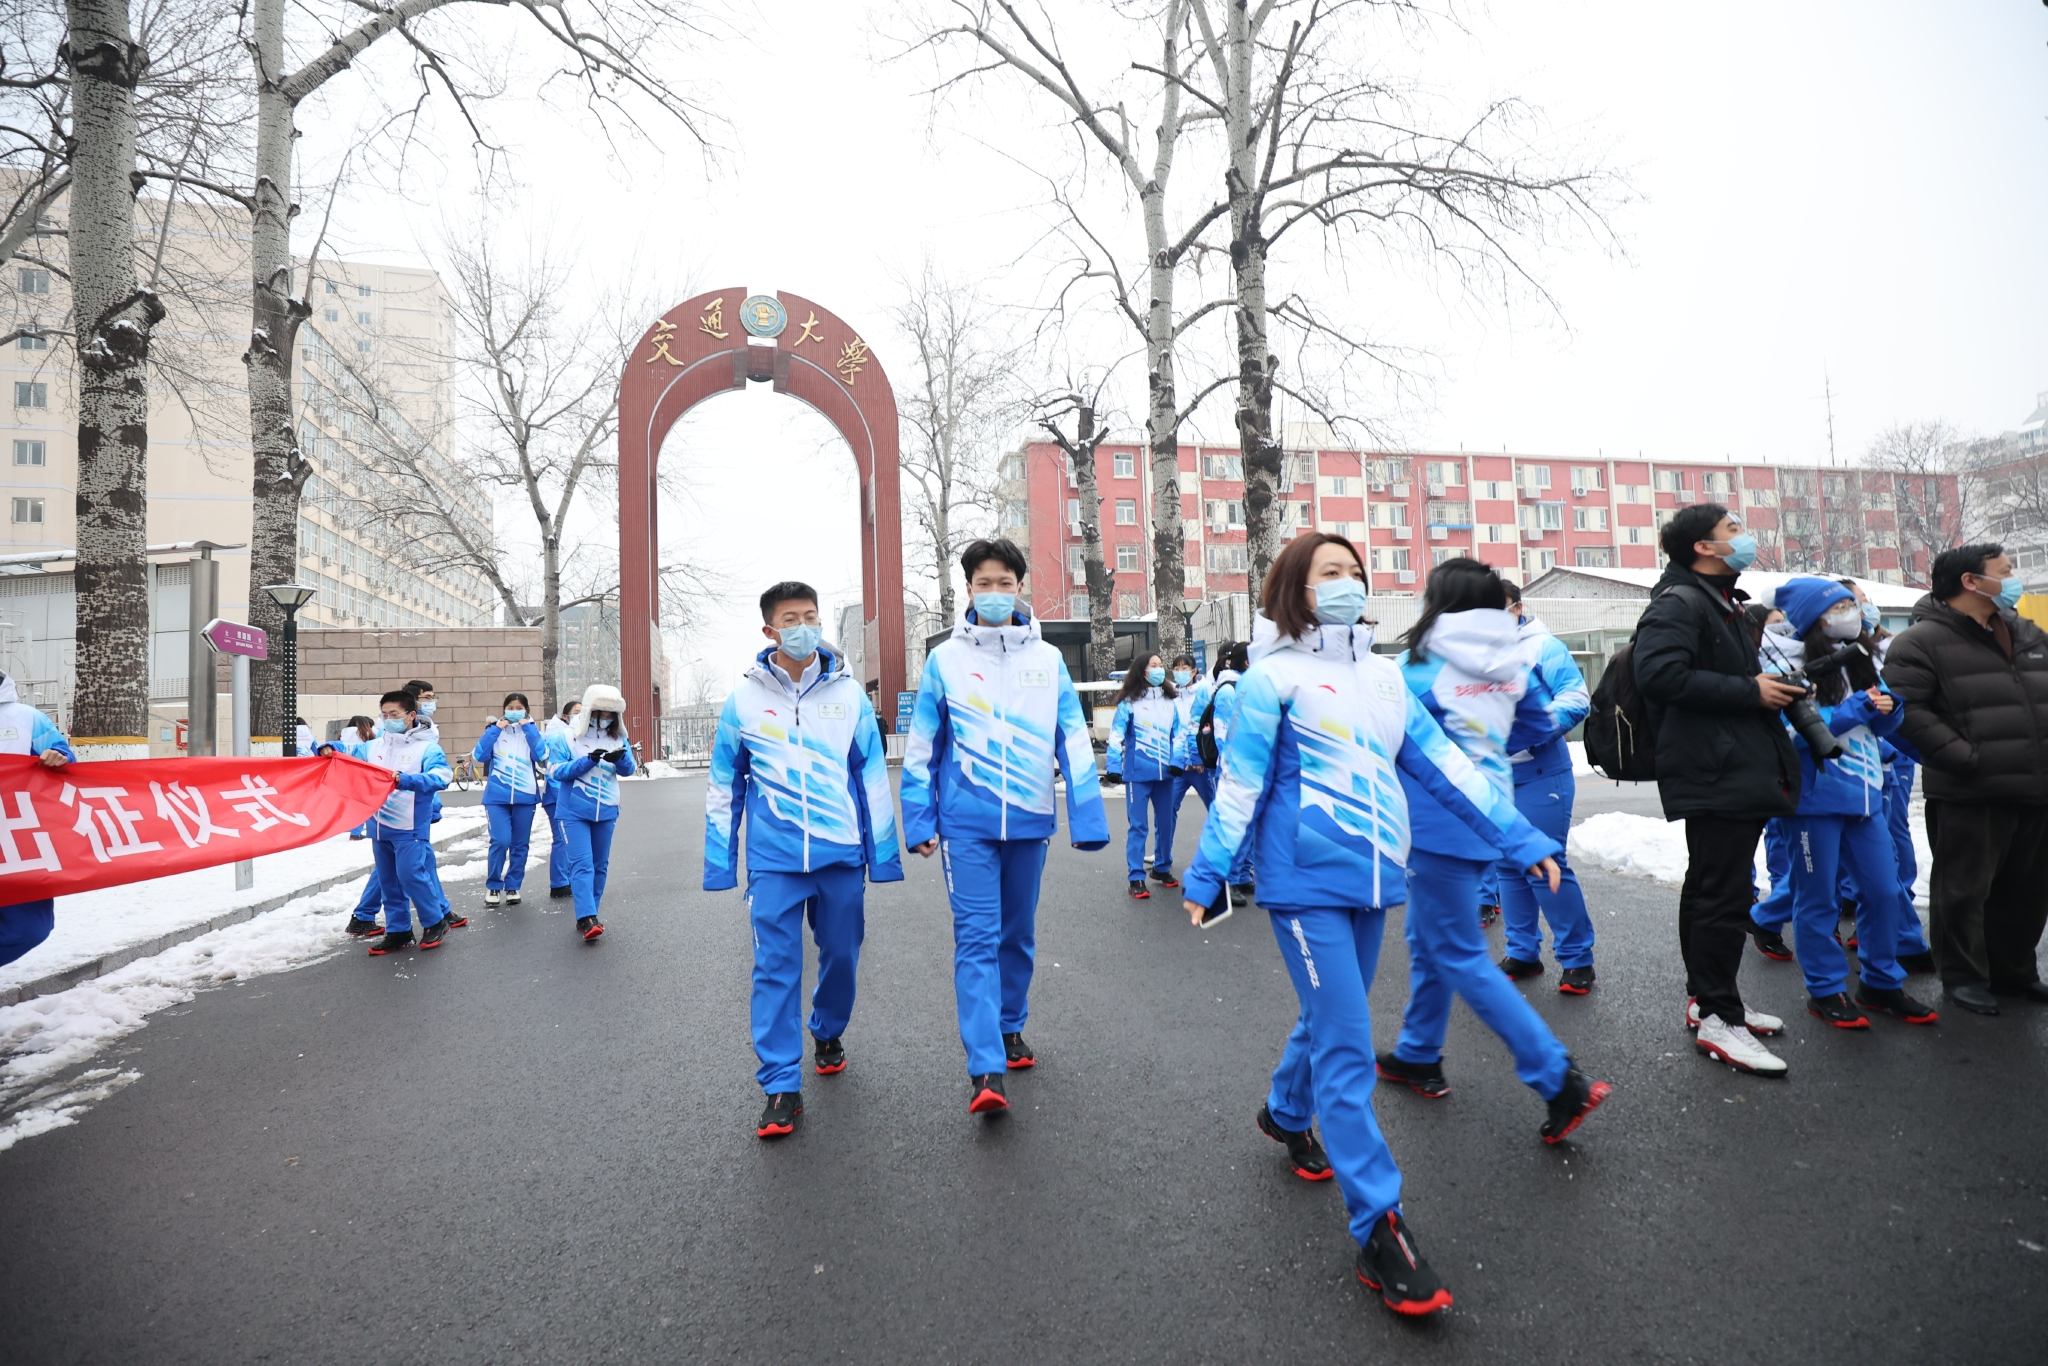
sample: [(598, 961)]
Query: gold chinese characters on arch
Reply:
[(853, 357), (664, 333)]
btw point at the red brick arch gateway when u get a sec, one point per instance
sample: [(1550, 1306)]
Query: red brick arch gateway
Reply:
[(719, 341)]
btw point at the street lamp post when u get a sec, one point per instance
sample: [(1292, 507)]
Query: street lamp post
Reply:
[(290, 597)]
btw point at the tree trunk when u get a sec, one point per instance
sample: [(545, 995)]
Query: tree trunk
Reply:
[(112, 320), (280, 469), (551, 620), (1248, 266), (942, 544), (1162, 421), (1101, 624)]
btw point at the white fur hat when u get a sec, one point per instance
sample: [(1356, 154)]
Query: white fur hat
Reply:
[(599, 697)]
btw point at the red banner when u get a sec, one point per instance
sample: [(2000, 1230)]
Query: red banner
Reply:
[(83, 826)]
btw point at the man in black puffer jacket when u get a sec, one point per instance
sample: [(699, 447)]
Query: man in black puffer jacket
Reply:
[(1725, 763), (1974, 676)]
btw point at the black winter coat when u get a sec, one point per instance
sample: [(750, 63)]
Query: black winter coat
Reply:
[(1979, 720), (1719, 753)]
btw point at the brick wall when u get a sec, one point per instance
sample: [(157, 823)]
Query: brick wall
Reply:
[(471, 670)]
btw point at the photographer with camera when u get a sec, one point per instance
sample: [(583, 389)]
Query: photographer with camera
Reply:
[(1725, 763), (1974, 676)]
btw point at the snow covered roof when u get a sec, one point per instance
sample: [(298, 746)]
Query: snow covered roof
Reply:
[(1581, 581)]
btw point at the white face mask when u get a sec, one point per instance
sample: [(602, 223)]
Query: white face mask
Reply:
[(1843, 625)]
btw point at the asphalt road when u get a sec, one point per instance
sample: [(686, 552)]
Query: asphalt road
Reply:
[(525, 1149)]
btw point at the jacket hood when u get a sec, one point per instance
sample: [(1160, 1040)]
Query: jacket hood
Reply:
[(1806, 600), (1782, 649), (1532, 629), (1337, 642), (831, 665), (1485, 642), (599, 697), (7, 692), (1014, 634)]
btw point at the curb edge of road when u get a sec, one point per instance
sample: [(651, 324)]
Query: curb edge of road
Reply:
[(122, 957)]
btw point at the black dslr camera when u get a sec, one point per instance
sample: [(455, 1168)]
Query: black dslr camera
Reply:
[(1803, 714)]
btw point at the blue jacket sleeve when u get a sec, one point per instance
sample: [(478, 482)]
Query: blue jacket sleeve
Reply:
[(1246, 769), (1560, 692), (574, 768), (1087, 823), (44, 737), (1857, 709), (725, 801), (923, 754), (629, 762), (1442, 770), (486, 744), (434, 772), (868, 772), (1118, 724)]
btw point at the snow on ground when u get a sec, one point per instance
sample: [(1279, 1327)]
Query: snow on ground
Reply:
[(93, 924), (1649, 847), (42, 1038), (656, 768)]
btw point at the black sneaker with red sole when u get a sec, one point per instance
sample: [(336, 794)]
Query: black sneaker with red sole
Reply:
[(1390, 1264), (1489, 916), (590, 927), (1837, 1010), (988, 1094), (1139, 891), (455, 919), (1575, 981), (392, 943), (435, 933), (1164, 877), (1304, 1153), (780, 1116), (828, 1056), (1423, 1078), (1518, 968), (363, 929), (1770, 944), (1017, 1054), (1896, 1003), (1578, 1097)]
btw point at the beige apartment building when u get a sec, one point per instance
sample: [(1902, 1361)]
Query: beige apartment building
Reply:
[(375, 387)]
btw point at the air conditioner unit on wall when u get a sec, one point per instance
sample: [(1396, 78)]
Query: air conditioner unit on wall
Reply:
[(1532, 533), (1436, 490), (1578, 490), (1404, 576), (1400, 490), (1439, 533), (1402, 533)]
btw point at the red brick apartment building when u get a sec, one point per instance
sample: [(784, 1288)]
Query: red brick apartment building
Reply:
[(1522, 513)]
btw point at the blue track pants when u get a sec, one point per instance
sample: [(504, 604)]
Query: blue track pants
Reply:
[(1822, 846), (1200, 781), (590, 858), (558, 851), (1150, 805), (993, 885), (1898, 797), (405, 875), (25, 925), (511, 833), (831, 899), (1448, 956), (1326, 1072), (1547, 803), (1774, 911)]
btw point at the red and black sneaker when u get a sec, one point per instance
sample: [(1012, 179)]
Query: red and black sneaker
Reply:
[(1578, 1097), (1489, 916), (1423, 1078), (1017, 1054), (1390, 1264), (1838, 1011), (780, 1116), (435, 933), (363, 929), (988, 1094), (1304, 1154), (391, 943), (1896, 1003), (455, 919), (828, 1056), (1575, 981), (1518, 968), (1164, 877), (590, 927), (1139, 891), (1770, 943)]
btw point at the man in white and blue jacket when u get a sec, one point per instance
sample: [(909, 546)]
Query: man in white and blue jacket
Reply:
[(800, 758), (25, 730), (1149, 746), (997, 720), (402, 838), (1544, 792)]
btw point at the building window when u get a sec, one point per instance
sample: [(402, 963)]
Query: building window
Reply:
[(1126, 512), (363, 290), (1127, 557), (1443, 472), (28, 510), (1127, 605), (1125, 464), (1492, 489), (28, 452), (1439, 556), (1223, 467), (1635, 493), (1077, 567), (332, 315), (333, 288), (1224, 559), (362, 346), (1586, 476), (1589, 519), (32, 342), (1340, 487), (1449, 514), (1535, 476), (363, 317), (1671, 481), (31, 395), (1591, 556), (1496, 533), (34, 281), (1074, 513), (1077, 607), (1634, 535), (1396, 558)]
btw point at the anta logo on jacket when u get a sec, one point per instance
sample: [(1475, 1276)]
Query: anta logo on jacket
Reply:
[(416, 757), (808, 773), (1147, 736), (997, 720)]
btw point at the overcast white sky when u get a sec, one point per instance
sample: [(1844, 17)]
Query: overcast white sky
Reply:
[(1848, 190)]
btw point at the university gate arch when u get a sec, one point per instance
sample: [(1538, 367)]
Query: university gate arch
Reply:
[(719, 341)]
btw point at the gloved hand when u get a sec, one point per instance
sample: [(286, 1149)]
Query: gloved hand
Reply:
[(1112, 779)]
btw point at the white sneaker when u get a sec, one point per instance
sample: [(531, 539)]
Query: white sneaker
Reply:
[(1738, 1048), (1754, 1020), (512, 899), (490, 898)]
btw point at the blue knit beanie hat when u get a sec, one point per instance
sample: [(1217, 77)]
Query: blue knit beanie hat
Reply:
[(1805, 601)]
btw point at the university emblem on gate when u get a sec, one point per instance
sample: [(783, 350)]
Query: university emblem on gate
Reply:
[(763, 316)]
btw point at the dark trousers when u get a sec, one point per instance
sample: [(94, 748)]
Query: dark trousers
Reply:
[(1713, 909), (1989, 891)]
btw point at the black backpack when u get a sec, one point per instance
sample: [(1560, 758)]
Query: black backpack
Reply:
[(1205, 731), (1619, 741)]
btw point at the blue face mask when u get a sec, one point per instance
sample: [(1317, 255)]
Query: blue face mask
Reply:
[(1155, 676), (396, 725), (995, 609), (2009, 592), (427, 708), (801, 641), (1181, 678), (514, 715), (1340, 602), (1741, 552), (1870, 616)]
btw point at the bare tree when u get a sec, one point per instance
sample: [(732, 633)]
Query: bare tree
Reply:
[(1080, 453), (958, 403), (1930, 470)]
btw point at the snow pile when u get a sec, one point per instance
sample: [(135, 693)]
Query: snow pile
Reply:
[(1647, 847), (656, 768)]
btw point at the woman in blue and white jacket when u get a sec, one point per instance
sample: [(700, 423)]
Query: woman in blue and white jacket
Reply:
[(1147, 754), (1467, 664), (1841, 820), (558, 846), (1192, 692), (26, 730), (1231, 662), (512, 747), (586, 762), (1322, 734)]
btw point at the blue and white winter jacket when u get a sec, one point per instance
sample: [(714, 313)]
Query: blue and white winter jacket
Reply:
[(1322, 728), (1851, 783), (997, 720), (24, 729), (1147, 737), (423, 770), (1554, 681), (587, 787), (1474, 680), (808, 774), (516, 755)]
